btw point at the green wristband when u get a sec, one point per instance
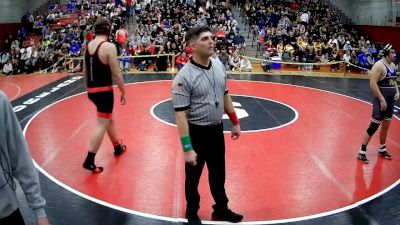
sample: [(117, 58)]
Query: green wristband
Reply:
[(186, 143)]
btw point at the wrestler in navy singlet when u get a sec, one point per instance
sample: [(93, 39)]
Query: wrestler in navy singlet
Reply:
[(387, 86)]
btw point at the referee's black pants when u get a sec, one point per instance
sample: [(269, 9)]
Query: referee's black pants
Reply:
[(14, 219), (209, 144)]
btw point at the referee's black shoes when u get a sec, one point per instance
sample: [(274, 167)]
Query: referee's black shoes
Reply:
[(193, 220), (227, 215)]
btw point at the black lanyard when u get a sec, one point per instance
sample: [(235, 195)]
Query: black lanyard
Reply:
[(212, 85)]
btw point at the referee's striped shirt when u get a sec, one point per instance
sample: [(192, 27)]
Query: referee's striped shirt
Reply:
[(201, 90)]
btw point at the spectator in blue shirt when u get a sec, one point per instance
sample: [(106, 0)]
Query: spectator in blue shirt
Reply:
[(373, 51), (70, 8), (22, 33), (75, 48), (238, 39), (362, 59), (70, 36)]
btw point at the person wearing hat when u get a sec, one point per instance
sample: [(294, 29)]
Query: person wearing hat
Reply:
[(384, 86)]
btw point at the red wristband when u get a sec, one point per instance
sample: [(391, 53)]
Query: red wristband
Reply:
[(233, 118)]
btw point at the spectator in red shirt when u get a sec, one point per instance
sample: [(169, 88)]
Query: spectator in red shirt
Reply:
[(294, 6), (121, 35), (181, 60), (188, 51), (89, 36)]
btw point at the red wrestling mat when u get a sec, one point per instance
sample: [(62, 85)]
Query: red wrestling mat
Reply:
[(19, 85), (306, 168)]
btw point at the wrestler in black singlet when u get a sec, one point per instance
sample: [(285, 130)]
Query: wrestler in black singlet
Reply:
[(99, 82)]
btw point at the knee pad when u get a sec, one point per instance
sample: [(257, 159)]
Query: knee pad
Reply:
[(372, 128)]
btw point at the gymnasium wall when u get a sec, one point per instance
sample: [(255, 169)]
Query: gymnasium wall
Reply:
[(382, 34), (369, 12)]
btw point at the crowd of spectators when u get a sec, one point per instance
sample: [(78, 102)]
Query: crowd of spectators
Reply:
[(307, 31), (61, 32), (290, 30), (162, 26)]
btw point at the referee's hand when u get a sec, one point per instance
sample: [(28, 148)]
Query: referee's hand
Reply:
[(235, 132), (191, 157)]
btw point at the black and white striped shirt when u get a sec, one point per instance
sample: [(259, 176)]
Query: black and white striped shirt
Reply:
[(201, 90)]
